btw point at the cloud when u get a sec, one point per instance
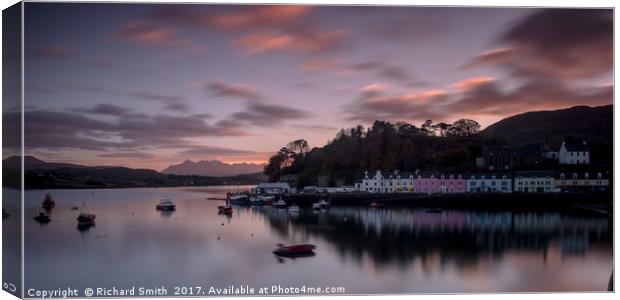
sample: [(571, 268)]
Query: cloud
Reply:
[(315, 127), (388, 71), (222, 89), (556, 43), (474, 98), (138, 155), (319, 64), (471, 83), (144, 32), (53, 52), (301, 40), (110, 110), (217, 151), (262, 114)]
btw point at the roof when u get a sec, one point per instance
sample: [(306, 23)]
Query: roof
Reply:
[(582, 175), (534, 174), (271, 185), (498, 175), (576, 147)]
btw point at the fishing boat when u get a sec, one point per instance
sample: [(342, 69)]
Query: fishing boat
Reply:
[(376, 204), (224, 210), (166, 205), (280, 204), (48, 202), (323, 203), (238, 199), (85, 218), (295, 249), (42, 218), (293, 209)]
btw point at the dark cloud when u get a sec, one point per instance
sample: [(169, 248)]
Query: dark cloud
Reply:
[(138, 155), (53, 52), (222, 89), (388, 71), (262, 114), (556, 43), (110, 110)]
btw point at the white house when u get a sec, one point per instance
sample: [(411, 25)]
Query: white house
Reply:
[(274, 188), (489, 183), (534, 181), (574, 154), (391, 182)]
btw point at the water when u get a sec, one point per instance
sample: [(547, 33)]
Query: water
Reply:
[(364, 250)]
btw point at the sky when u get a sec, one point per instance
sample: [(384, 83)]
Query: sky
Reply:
[(149, 85)]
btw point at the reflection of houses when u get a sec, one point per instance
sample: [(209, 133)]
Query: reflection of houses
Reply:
[(574, 154), (581, 182), (534, 181), (504, 157), (490, 182), (273, 188)]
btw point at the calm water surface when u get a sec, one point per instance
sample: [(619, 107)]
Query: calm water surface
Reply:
[(364, 250)]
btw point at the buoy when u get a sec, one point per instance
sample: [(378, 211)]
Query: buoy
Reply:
[(218, 238)]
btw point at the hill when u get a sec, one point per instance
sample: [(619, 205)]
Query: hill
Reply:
[(594, 124), (212, 168)]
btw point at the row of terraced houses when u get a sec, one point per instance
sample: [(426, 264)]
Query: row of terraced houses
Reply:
[(518, 181)]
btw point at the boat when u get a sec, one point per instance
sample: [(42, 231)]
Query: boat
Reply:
[(323, 203), (375, 204), (42, 218), (48, 202), (256, 200), (280, 204), (165, 204), (316, 206), (295, 249), (293, 209), (268, 200), (225, 210), (238, 199), (85, 218)]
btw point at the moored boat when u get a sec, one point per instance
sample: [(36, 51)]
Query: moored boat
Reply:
[(165, 204), (238, 199), (323, 203), (85, 218), (268, 200), (48, 202), (293, 209), (376, 204), (295, 249), (226, 210), (280, 204), (256, 200), (42, 218)]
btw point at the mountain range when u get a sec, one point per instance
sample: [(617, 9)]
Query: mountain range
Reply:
[(213, 168)]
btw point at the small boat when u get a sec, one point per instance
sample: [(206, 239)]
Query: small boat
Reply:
[(238, 199), (323, 203), (268, 200), (296, 249), (85, 218), (225, 210), (280, 204), (375, 204), (48, 202), (43, 218), (293, 209), (165, 204), (316, 206)]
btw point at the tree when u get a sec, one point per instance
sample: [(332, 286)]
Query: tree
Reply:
[(443, 128), (464, 127), (428, 127)]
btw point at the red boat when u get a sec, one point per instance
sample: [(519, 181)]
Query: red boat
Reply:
[(48, 202), (227, 210), (296, 249)]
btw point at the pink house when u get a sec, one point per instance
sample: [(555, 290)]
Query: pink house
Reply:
[(431, 184)]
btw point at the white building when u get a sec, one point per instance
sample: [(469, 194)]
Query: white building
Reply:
[(274, 188), (489, 183), (574, 154), (534, 181), (391, 182)]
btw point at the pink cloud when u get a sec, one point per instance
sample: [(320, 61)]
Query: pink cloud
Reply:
[(471, 83), (145, 33), (53, 52), (304, 40), (257, 16), (319, 64)]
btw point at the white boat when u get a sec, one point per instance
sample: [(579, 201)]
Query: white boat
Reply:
[(316, 206), (280, 204), (323, 204), (238, 199), (165, 204), (293, 209)]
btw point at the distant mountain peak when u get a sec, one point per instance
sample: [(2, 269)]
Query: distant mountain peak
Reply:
[(213, 168)]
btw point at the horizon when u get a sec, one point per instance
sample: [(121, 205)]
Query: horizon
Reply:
[(149, 88)]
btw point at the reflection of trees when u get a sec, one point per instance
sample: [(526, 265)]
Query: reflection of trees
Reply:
[(457, 237)]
